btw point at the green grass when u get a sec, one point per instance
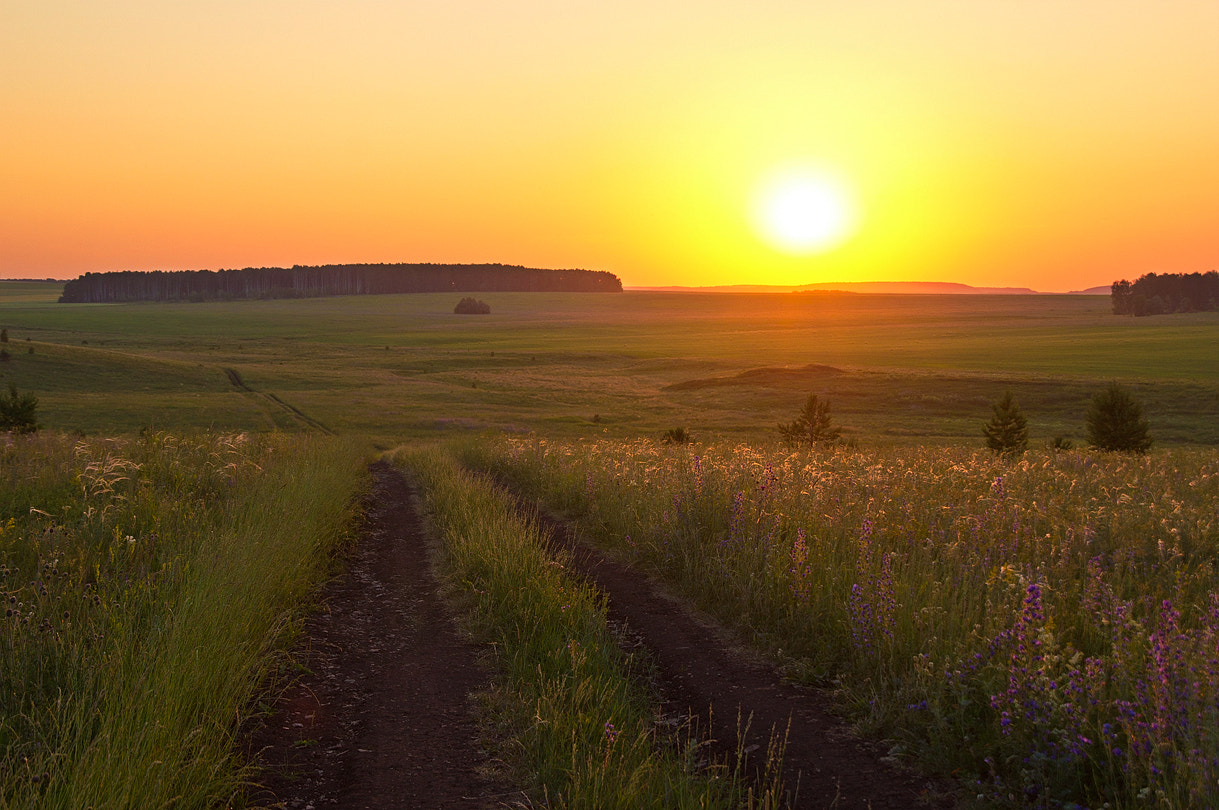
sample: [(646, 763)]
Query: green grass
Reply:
[(151, 587), (916, 368)]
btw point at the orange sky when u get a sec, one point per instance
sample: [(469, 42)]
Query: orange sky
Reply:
[(1049, 144)]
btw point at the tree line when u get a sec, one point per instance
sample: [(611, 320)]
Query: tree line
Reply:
[(303, 281), (1158, 294)]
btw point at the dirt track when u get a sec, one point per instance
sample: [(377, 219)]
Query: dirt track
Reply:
[(384, 718)]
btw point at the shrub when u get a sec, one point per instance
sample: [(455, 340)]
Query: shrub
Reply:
[(18, 412), (677, 435), (471, 306), (1061, 443), (1008, 431), (812, 426), (3, 336), (1115, 422)]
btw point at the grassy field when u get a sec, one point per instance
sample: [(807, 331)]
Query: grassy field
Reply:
[(901, 369), (949, 594)]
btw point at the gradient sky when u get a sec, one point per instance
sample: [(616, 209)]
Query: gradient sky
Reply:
[(1054, 144)]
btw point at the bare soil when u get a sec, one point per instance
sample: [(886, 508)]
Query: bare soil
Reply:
[(384, 716)]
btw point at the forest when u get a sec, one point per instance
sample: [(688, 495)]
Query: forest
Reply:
[(324, 280), (1159, 294)]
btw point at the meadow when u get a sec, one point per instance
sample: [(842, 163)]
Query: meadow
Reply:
[(898, 369), (1058, 608)]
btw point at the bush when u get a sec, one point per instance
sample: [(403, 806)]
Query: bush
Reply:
[(677, 436), (813, 426), (471, 306), (1116, 423), (18, 412), (3, 336), (1008, 431), (1061, 444)]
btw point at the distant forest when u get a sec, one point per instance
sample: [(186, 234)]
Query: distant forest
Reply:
[(1171, 292), (331, 279)]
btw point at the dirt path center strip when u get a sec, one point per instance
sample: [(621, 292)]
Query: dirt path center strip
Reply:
[(383, 718)]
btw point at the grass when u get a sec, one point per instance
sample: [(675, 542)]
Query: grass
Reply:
[(583, 725), (916, 369), (151, 587), (1044, 628), (885, 570)]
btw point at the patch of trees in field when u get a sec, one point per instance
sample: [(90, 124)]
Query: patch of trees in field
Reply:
[(1158, 294), (323, 280)]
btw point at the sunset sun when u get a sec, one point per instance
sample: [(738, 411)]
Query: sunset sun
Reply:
[(804, 211)]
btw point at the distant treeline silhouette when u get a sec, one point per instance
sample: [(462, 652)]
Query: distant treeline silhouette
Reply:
[(330, 279), (1170, 292)]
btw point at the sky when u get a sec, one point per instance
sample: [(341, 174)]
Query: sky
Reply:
[(1033, 143)]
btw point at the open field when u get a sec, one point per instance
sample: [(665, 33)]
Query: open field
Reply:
[(902, 369), (948, 595)]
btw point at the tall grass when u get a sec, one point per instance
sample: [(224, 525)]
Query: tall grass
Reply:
[(1047, 626), (150, 586), (566, 694)]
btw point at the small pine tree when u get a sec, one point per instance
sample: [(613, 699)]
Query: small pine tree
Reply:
[(1008, 431), (812, 426), (1116, 423), (18, 412)]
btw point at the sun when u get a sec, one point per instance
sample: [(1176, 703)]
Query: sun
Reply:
[(804, 211)]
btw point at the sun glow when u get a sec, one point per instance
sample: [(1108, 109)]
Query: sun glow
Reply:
[(804, 211)]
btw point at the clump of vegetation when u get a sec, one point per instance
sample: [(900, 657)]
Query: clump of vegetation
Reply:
[(471, 306), (1007, 433), (677, 435), (18, 412), (1060, 444), (3, 336), (813, 426), (1164, 293), (1116, 422)]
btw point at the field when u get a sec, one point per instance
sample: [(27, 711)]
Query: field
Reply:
[(906, 369), (1043, 628)]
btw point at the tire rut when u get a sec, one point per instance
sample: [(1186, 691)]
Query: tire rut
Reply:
[(702, 676)]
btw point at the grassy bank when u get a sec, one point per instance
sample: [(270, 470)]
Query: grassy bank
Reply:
[(1045, 628), (583, 733), (150, 585)]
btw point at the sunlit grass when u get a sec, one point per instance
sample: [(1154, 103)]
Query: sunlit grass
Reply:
[(1046, 626), (150, 586)]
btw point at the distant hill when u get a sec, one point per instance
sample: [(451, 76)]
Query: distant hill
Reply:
[(874, 287)]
